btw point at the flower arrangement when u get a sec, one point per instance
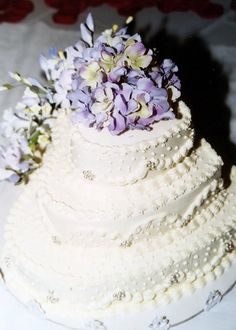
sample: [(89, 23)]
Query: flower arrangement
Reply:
[(112, 81), (25, 132)]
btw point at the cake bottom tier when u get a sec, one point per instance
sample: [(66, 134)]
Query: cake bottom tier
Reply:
[(138, 288)]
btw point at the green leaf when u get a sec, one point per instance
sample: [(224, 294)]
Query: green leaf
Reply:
[(6, 86), (35, 90)]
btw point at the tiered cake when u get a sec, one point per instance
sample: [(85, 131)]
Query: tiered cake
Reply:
[(120, 231)]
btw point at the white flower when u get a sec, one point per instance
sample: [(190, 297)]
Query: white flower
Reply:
[(50, 67), (91, 74), (60, 97), (46, 109), (104, 100), (30, 102)]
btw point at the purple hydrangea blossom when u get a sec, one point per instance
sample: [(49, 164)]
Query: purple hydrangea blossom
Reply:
[(113, 81)]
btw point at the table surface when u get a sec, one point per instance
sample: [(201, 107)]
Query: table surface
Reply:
[(20, 46)]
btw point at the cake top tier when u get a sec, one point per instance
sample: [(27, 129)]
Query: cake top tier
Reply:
[(101, 157)]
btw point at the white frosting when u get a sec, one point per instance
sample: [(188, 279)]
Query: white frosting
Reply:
[(127, 158), (110, 226)]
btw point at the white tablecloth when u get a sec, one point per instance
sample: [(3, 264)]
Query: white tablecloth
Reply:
[(20, 46)]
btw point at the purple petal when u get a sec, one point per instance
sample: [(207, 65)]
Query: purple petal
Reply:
[(146, 121), (14, 178), (75, 83), (126, 91), (23, 167), (53, 52), (133, 76), (112, 85), (84, 117), (174, 81), (80, 96), (99, 94), (66, 79), (161, 105), (117, 124), (101, 118), (119, 47), (145, 84), (116, 74), (141, 96), (120, 104), (107, 52), (137, 49), (159, 93), (132, 106), (122, 31), (168, 65)]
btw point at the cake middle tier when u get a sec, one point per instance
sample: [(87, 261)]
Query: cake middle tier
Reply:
[(72, 208)]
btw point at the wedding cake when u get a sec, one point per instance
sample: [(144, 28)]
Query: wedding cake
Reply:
[(127, 223)]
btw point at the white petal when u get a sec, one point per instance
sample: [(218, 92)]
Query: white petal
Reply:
[(3, 88), (34, 82), (99, 94), (43, 63), (90, 22), (175, 93), (109, 93), (29, 94), (94, 66), (65, 104), (15, 75), (96, 107), (86, 34)]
